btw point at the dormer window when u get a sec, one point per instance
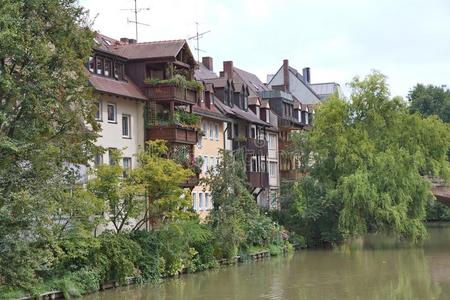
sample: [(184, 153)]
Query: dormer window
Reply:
[(99, 65), (118, 70), (108, 67), (91, 64), (245, 102)]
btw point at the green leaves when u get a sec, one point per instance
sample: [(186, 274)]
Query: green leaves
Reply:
[(369, 155)]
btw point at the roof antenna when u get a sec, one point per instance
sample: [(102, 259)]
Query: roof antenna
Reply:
[(197, 37), (136, 10)]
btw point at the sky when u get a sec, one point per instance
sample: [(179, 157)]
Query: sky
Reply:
[(407, 40)]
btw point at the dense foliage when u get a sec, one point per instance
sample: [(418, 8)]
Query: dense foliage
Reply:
[(432, 100), (46, 123), (236, 221), (366, 159)]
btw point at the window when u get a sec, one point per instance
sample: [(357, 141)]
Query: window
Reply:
[(200, 200), (118, 70), (306, 118), (272, 141), (126, 125), (199, 143), (206, 164), (205, 129), (272, 169), (112, 117), (253, 165), (108, 67), (211, 133), (99, 65), (91, 64), (194, 200), (216, 131), (206, 200), (98, 112), (235, 130), (98, 159), (112, 157), (229, 131), (126, 162), (253, 132)]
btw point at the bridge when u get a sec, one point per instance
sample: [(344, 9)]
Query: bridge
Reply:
[(440, 190)]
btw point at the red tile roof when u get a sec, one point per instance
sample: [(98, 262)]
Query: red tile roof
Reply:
[(148, 50), (116, 87)]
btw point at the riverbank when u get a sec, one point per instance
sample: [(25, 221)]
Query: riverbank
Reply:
[(258, 254)]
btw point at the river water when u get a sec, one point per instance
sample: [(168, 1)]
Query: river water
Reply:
[(376, 268)]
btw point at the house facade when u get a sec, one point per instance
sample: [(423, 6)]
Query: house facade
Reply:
[(120, 105)]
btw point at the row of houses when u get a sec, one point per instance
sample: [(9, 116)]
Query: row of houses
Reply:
[(156, 90)]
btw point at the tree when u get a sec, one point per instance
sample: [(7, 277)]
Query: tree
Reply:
[(46, 122), (430, 100), (150, 193), (368, 159)]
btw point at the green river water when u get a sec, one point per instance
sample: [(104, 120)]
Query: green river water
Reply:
[(376, 268)]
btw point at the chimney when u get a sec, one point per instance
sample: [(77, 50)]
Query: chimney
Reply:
[(286, 75), (307, 75), (124, 40), (207, 61), (132, 41), (228, 69)]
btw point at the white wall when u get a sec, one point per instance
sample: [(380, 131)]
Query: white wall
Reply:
[(111, 133), (296, 87)]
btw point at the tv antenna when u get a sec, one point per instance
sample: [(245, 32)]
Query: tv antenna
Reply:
[(136, 10), (197, 37)]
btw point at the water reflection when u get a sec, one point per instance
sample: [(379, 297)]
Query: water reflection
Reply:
[(365, 272)]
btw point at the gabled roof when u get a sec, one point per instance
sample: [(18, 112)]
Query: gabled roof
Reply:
[(147, 50), (252, 81), (125, 88), (159, 49), (302, 79)]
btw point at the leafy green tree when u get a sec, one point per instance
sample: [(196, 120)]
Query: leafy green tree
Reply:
[(368, 157), (162, 181), (46, 122), (149, 194), (236, 221), (430, 100)]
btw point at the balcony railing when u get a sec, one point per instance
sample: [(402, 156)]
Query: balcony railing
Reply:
[(171, 92), (173, 134), (191, 182), (258, 179), (252, 146), (291, 175)]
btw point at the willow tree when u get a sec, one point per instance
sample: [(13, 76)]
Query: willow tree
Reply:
[(368, 159), (46, 123)]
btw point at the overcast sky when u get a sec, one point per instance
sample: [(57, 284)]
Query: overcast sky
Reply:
[(407, 40)]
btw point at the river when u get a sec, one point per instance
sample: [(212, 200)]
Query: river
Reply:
[(376, 268)]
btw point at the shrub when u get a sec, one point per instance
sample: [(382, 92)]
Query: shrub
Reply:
[(117, 257)]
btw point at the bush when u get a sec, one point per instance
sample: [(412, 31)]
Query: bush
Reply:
[(117, 257), (151, 265)]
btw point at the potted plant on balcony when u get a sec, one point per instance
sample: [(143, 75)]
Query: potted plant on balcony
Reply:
[(177, 80), (186, 119)]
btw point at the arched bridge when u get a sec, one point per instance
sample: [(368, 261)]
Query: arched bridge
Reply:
[(440, 190)]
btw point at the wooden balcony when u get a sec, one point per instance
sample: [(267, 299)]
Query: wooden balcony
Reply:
[(191, 182), (258, 179), (173, 134), (252, 146), (291, 175), (171, 92)]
